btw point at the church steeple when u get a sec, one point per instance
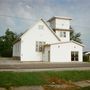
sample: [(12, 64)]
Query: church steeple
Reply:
[(61, 25)]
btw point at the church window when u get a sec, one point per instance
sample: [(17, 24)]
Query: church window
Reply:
[(40, 46), (62, 34)]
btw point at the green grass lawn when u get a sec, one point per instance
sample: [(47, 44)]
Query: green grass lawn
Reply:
[(40, 78)]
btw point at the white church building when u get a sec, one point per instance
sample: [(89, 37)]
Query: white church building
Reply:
[(48, 42)]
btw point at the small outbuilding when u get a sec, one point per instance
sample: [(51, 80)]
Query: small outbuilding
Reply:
[(86, 56)]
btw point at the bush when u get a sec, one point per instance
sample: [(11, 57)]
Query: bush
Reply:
[(86, 58), (6, 53)]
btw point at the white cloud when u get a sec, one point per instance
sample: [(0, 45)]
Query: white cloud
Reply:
[(34, 9)]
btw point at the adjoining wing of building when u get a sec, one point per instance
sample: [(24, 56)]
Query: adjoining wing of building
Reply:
[(48, 43)]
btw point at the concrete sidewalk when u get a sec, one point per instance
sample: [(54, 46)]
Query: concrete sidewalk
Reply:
[(41, 65), (48, 69), (85, 83)]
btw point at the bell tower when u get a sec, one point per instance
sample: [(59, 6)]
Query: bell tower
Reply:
[(61, 26)]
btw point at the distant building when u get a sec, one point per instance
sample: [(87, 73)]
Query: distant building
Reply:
[(86, 56), (48, 43)]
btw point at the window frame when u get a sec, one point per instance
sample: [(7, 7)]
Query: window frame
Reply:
[(74, 55), (62, 34), (40, 46)]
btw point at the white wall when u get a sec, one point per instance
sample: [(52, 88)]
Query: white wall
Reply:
[(62, 24), (62, 52), (28, 42), (17, 49)]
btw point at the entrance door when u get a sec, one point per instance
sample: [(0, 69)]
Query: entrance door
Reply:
[(49, 56), (74, 56)]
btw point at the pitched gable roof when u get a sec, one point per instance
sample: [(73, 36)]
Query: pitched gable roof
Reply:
[(19, 38), (47, 27), (68, 42), (51, 30)]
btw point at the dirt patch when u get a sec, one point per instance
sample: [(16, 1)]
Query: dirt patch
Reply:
[(61, 87), (59, 84), (2, 88)]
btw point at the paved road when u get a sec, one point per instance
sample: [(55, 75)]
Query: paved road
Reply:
[(13, 65), (7, 64)]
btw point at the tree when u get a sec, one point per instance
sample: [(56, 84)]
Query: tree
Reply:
[(6, 43), (75, 36)]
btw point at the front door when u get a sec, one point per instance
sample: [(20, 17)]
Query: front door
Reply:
[(74, 56), (48, 56)]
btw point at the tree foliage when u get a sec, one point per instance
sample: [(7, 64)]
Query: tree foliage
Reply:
[(6, 43), (75, 36)]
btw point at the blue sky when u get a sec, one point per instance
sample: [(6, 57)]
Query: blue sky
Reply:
[(18, 15)]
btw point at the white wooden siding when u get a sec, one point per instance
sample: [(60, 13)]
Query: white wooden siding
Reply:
[(62, 52), (28, 47), (17, 49), (62, 24)]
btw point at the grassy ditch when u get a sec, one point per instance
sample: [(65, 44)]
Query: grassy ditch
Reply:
[(8, 79)]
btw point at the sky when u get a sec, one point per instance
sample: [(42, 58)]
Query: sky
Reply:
[(18, 15)]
